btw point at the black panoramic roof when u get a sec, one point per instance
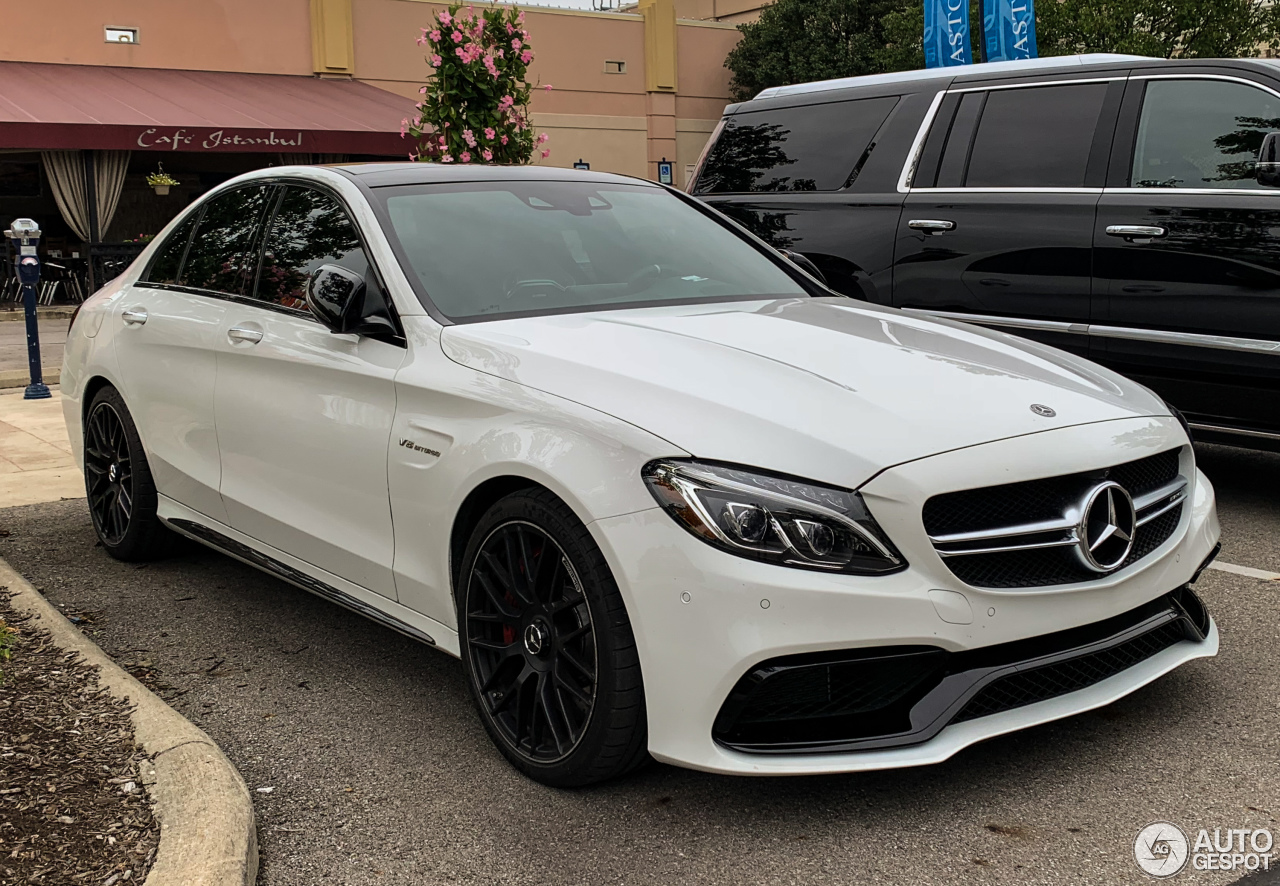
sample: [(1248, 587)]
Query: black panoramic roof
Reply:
[(382, 175)]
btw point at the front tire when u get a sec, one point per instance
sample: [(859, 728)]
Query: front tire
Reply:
[(117, 480), (547, 645)]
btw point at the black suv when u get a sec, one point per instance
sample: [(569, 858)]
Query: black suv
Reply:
[(1114, 206)]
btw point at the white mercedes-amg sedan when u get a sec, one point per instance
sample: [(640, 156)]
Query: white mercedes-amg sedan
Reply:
[(660, 490)]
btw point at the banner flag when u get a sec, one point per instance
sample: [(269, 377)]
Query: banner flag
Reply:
[(1008, 30), (946, 32)]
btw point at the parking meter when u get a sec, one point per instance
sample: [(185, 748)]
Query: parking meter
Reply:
[(25, 235)]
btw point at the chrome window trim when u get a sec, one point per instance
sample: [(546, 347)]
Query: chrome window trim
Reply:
[(917, 146), (1131, 333), (1257, 192)]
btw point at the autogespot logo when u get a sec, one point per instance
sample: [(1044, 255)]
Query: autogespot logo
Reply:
[(1162, 849)]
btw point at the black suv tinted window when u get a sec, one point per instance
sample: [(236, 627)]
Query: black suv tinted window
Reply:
[(1037, 137), (309, 229), (1201, 134), (167, 264), (223, 255), (814, 148)]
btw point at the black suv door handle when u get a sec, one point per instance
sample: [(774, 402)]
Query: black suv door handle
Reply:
[(932, 225), (1136, 232)]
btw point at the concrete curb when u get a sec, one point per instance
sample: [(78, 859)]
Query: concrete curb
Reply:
[(42, 313), (207, 832), (20, 378)]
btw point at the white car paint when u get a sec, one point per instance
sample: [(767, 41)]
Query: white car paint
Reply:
[(349, 463)]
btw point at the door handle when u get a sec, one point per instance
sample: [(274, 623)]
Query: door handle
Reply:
[(134, 317), (1136, 232), (244, 334), (932, 225)]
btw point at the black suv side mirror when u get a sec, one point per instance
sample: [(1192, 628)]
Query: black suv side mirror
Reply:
[(337, 297), (1268, 168), (805, 264)]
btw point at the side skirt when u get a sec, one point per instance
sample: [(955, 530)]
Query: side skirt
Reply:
[(200, 530)]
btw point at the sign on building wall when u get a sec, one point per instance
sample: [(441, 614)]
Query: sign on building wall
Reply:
[(946, 33), (1008, 30)]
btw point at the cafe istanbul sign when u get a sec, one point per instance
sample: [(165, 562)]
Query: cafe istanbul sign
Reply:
[(155, 139)]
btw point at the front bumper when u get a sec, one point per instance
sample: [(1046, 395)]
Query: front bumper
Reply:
[(703, 619)]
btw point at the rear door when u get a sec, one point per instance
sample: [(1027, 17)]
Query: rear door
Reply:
[(1188, 248), (998, 225), (168, 325)]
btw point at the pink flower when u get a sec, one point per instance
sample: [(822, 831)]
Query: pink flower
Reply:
[(526, 56), (504, 139), (499, 53), (413, 157), (489, 133), (491, 67), (546, 154), (469, 138), (445, 18), (547, 87), (487, 154), (542, 137), (404, 126), (505, 102), (516, 44), (435, 63), (422, 41), (446, 158), (510, 30), (442, 141), (465, 156), (435, 36), (520, 17)]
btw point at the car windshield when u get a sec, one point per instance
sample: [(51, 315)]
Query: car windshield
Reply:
[(487, 249)]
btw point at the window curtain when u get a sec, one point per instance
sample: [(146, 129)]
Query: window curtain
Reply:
[(66, 175), (307, 159)]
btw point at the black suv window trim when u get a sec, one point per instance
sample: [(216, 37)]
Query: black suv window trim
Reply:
[(1127, 130), (911, 166)]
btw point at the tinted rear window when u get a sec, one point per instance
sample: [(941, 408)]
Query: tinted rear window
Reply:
[(1037, 137), (814, 148)]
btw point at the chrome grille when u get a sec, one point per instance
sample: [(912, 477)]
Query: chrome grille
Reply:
[(1029, 534)]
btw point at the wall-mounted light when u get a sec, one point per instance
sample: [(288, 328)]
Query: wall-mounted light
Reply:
[(615, 67), (121, 35)]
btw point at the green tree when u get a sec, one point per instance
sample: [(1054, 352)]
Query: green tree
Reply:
[(1160, 28)]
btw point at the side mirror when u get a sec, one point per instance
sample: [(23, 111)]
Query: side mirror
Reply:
[(1268, 169), (336, 296), (805, 264)]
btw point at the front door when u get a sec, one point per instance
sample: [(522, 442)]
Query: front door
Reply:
[(999, 227), (304, 416), (1188, 251)]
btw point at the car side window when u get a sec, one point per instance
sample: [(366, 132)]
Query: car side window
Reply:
[(223, 253), (309, 229), (1033, 137), (167, 264), (1201, 134), (810, 148)]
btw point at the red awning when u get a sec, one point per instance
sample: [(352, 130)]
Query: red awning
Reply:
[(71, 107)]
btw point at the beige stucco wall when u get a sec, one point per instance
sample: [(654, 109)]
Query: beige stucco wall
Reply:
[(607, 119), (733, 12), (254, 36)]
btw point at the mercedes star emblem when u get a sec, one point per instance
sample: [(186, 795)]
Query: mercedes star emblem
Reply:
[(533, 638), (1107, 525), (1042, 410)]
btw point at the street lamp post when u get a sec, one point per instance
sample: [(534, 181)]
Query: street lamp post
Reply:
[(26, 236)]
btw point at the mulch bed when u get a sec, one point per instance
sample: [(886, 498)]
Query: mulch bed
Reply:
[(72, 806)]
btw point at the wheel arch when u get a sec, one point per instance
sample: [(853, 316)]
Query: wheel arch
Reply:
[(484, 496)]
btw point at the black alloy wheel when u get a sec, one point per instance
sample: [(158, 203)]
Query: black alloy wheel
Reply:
[(108, 473), (531, 642), (545, 639), (118, 483)]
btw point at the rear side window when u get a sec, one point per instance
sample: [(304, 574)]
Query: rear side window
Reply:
[(1201, 134), (813, 148), (309, 229), (223, 255), (168, 261), (1035, 137)]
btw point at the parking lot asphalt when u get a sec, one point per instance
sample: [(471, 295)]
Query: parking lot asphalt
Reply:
[(368, 766)]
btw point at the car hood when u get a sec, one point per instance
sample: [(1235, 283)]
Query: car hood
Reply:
[(824, 388)]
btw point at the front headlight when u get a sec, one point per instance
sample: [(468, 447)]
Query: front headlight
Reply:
[(770, 518)]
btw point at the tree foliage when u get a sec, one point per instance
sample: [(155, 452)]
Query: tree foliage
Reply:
[(798, 41)]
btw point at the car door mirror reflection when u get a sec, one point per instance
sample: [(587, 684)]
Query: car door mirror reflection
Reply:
[(337, 298), (1268, 169)]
